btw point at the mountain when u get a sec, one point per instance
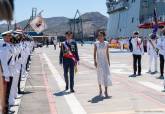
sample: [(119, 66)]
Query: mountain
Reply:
[(92, 21), (96, 21), (57, 25)]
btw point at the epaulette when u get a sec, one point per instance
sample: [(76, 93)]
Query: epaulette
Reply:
[(4, 45)]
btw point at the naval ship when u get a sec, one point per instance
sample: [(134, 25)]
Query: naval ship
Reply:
[(126, 15)]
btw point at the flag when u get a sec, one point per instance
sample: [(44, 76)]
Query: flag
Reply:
[(17, 27), (38, 24), (154, 31), (155, 26)]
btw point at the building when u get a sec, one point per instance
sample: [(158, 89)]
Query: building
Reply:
[(37, 37), (126, 15)]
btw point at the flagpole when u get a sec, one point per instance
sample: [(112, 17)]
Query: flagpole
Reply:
[(155, 26), (8, 25)]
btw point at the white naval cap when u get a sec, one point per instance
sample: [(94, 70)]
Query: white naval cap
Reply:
[(7, 32), (153, 35), (18, 32)]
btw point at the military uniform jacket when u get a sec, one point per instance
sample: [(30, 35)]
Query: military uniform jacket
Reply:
[(150, 48), (12, 60), (73, 49), (161, 45), (5, 58)]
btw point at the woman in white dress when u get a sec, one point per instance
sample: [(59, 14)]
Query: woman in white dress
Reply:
[(102, 63)]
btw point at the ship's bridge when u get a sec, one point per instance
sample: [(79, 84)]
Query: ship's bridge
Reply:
[(114, 6)]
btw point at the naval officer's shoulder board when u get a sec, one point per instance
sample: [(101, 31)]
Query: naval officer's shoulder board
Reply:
[(4, 45)]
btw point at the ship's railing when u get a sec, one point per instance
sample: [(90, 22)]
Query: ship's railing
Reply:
[(151, 19)]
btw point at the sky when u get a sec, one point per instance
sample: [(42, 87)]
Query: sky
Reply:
[(54, 8)]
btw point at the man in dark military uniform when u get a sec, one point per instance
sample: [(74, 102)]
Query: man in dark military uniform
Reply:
[(69, 58)]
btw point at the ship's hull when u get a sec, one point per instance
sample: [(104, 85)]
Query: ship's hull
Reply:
[(124, 23)]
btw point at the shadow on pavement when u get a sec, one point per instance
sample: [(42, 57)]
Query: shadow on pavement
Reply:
[(109, 97), (98, 99), (61, 93), (27, 92), (119, 51)]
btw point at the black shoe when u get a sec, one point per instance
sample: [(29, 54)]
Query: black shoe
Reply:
[(11, 112), (163, 90), (14, 105), (21, 92), (154, 72), (133, 75), (18, 97), (139, 74), (72, 91), (66, 88), (149, 71), (161, 77)]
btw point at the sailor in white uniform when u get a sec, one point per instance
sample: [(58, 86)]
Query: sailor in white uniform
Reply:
[(21, 60), (55, 42), (152, 53), (16, 71), (161, 48), (6, 57), (24, 58), (13, 69), (28, 53)]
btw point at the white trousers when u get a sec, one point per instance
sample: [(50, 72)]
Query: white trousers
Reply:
[(153, 62), (23, 70), (24, 66), (14, 90)]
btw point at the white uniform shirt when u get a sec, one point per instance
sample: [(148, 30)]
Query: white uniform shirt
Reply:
[(137, 45), (27, 50), (150, 49), (5, 55), (161, 45), (23, 53), (12, 64), (17, 60)]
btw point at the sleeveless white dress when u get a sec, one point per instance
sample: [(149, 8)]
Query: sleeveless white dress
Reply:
[(103, 70)]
